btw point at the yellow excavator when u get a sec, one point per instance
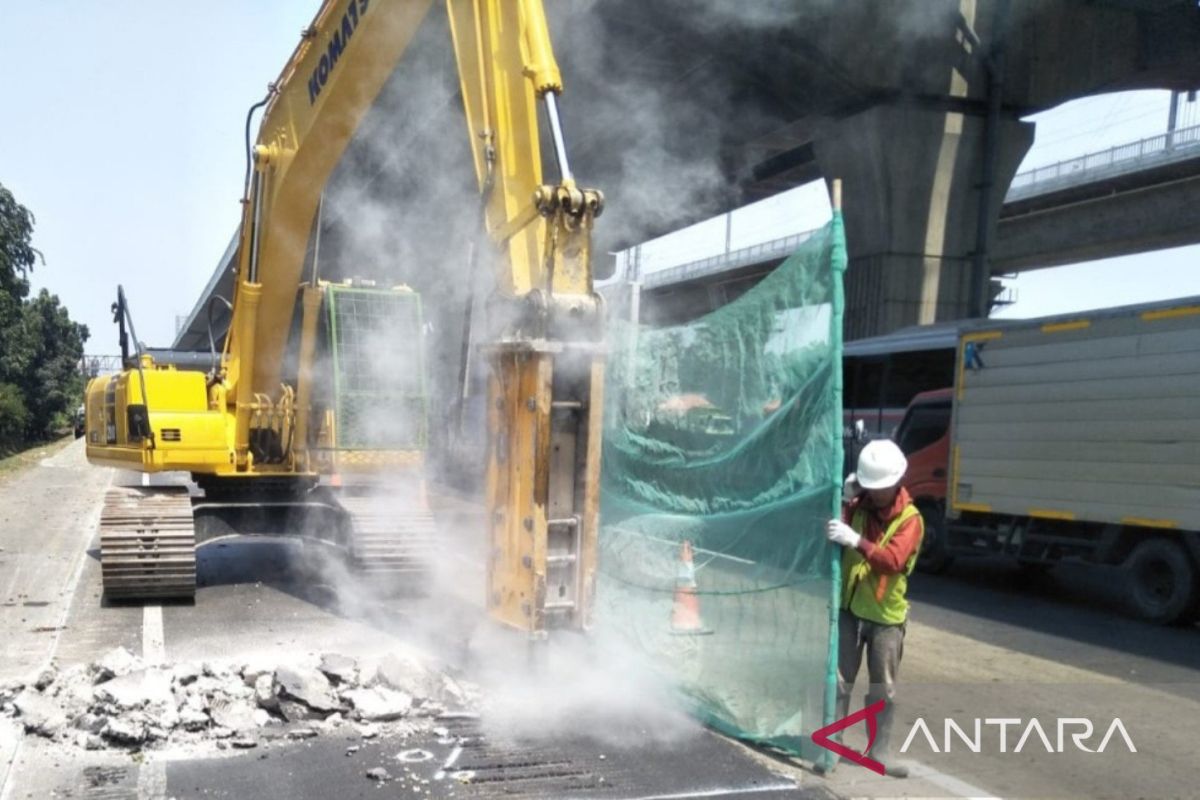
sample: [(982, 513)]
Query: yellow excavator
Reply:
[(304, 442)]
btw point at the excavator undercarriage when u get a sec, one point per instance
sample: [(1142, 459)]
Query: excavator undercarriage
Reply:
[(149, 535)]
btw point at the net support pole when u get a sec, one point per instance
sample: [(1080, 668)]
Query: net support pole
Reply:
[(837, 265)]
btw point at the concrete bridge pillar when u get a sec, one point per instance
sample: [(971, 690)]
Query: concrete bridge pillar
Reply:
[(912, 178)]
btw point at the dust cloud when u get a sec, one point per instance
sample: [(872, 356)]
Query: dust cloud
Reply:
[(403, 207)]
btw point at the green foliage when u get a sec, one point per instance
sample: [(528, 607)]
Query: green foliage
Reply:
[(17, 254), (40, 346), (53, 384), (13, 418)]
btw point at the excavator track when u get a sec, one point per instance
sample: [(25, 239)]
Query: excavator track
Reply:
[(392, 546), (148, 543)]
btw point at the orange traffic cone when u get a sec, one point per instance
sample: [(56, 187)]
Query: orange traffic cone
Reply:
[(685, 615)]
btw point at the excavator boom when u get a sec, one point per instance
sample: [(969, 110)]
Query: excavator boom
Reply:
[(247, 423)]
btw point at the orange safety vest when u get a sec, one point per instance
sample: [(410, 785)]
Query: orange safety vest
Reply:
[(878, 598)]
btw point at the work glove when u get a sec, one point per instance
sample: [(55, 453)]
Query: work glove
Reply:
[(850, 488), (841, 533)]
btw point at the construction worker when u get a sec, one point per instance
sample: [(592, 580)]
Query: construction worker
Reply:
[(880, 534)]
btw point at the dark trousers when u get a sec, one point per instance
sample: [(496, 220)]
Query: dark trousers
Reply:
[(885, 646)]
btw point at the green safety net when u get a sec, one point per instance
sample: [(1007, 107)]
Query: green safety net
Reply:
[(726, 432)]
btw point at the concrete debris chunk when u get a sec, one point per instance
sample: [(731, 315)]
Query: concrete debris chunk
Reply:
[(136, 690), (192, 720), (244, 742), (309, 686), (10, 689), (233, 713), (380, 704), (40, 715), (255, 668), (45, 678), (295, 711), (407, 674), (183, 674), (125, 730), (113, 664), (90, 723), (339, 668), (301, 733), (379, 774), (205, 686), (264, 692)]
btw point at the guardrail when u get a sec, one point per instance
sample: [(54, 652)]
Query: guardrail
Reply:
[(722, 262), (1165, 148)]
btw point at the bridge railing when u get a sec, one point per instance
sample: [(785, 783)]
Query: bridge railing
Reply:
[(722, 262), (1143, 154), (1153, 151)]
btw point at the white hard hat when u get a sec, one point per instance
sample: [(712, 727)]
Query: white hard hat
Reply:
[(881, 465)]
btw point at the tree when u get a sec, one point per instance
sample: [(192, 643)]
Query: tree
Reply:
[(17, 253), (53, 384), (14, 417), (40, 347)]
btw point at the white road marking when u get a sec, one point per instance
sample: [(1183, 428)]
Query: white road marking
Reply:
[(726, 792), (947, 782), (152, 780), (154, 649)]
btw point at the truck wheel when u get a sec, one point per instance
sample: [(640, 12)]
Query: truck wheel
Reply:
[(935, 558), (1161, 580)]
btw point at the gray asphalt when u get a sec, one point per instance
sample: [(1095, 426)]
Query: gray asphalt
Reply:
[(985, 640), (281, 598)]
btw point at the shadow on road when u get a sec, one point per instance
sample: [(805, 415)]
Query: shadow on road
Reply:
[(1080, 603)]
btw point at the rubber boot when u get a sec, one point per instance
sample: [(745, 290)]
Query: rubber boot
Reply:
[(881, 751)]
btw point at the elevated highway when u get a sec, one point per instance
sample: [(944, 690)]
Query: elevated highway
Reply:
[(1131, 198), (679, 110)]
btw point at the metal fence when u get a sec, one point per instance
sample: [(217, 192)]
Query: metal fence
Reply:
[(93, 365), (723, 262), (1165, 148)]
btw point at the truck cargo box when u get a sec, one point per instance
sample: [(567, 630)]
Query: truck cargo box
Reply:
[(1090, 418)]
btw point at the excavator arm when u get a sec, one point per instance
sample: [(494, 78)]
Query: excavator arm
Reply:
[(545, 390), (244, 423)]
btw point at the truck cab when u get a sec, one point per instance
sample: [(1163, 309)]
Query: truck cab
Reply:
[(924, 437)]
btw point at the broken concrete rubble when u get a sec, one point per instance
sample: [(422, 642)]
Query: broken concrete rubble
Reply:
[(146, 687), (264, 692), (39, 715), (234, 713), (379, 704), (339, 668), (119, 702), (115, 663), (309, 686)]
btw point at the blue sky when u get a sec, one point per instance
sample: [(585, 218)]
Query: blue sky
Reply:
[(123, 133)]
